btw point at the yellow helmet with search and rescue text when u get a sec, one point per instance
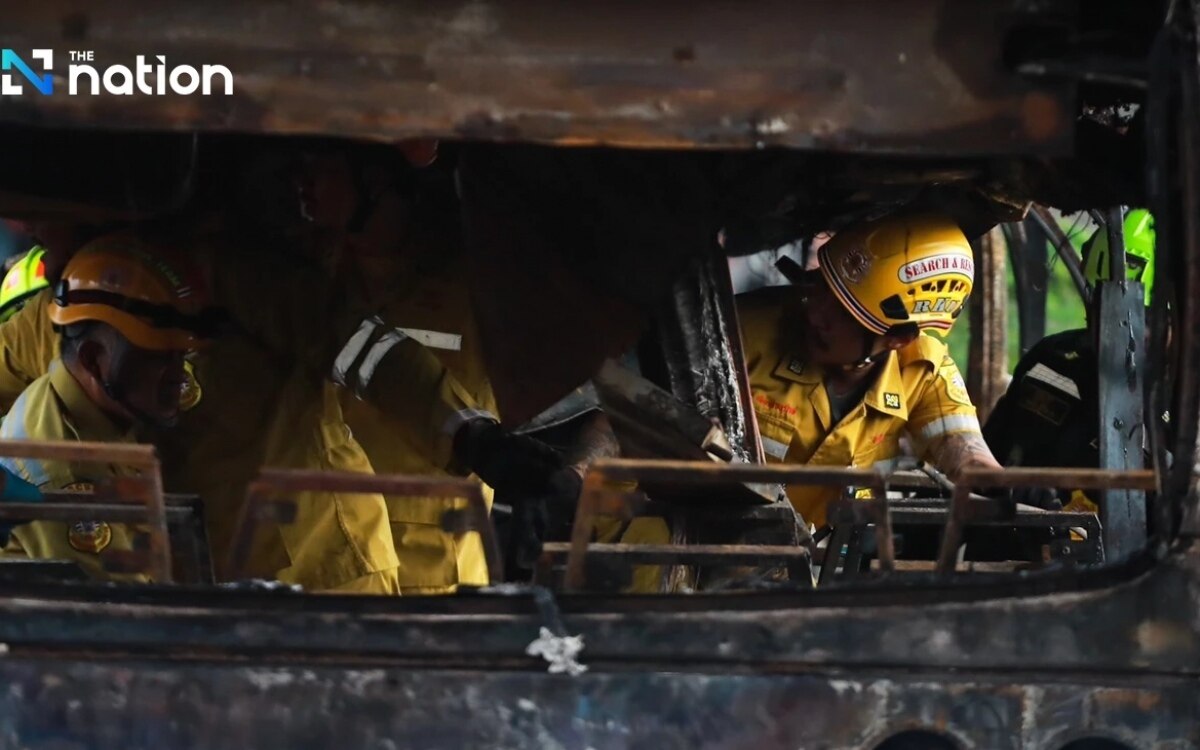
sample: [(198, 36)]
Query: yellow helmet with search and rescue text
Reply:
[(901, 270), (150, 295), (26, 278)]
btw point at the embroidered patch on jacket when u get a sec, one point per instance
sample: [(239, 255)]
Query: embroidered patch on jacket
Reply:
[(191, 393), (796, 365), (891, 400), (89, 536), (1043, 403)]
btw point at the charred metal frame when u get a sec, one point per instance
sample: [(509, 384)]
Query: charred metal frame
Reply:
[(1031, 661)]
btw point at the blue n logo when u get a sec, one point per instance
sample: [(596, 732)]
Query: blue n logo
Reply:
[(43, 83)]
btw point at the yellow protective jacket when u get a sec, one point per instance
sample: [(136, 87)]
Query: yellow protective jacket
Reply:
[(918, 392), (437, 308), (261, 396), (54, 407)]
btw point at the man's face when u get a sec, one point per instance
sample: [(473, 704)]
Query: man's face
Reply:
[(325, 187), (151, 382), (831, 335)]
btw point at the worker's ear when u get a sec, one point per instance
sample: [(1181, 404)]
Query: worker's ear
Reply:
[(92, 356), (900, 336)]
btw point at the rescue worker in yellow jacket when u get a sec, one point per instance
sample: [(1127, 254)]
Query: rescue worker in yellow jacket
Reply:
[(397, 248), (126, 315), (841, 365)]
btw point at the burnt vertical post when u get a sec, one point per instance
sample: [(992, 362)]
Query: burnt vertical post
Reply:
[(1120, 356), (987, 363), (1027, 243)]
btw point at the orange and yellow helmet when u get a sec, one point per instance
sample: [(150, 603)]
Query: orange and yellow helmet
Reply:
[(153, 297), (900, 270)]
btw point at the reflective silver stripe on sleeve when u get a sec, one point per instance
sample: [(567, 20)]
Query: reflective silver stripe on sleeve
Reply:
[(462, 416), (353, 348), (1057, 380), (774, 448), (946, 425), (451, 342), (374, 356)]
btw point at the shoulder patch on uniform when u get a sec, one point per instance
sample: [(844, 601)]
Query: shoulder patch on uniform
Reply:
[(191, 393), (796, 365), (891, 400), (956, 387), (89, 536)]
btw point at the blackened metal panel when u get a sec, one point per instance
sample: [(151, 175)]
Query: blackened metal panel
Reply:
[(1125, 621), (903, 76), (130, 704)]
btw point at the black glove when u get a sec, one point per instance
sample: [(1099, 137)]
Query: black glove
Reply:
[(508, 463), (539, 517), (1046, 498)]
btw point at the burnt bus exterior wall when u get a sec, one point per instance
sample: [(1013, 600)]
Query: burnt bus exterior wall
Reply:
[(128, 704), (1032, 663)]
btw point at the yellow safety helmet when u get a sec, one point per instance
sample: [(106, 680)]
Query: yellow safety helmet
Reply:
[(151, 296), (26, 278), (900, 270)]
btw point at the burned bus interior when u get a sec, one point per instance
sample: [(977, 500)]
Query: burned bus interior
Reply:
[(598, 173)]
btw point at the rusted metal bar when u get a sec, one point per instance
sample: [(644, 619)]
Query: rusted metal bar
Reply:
[(987, 362), (952, 534), (147, 488), (261, 506), (600, 496), (1084, 479), (129, 454), (581, 532), (685, 554), (56, 510), (701, 472)]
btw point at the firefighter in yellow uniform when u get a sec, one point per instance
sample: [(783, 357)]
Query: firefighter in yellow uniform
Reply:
[(841, 366), (363, 222), (437, 309), (127, 316)]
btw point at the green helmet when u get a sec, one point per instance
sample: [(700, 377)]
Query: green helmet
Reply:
[(1139, 252), (23, 280)]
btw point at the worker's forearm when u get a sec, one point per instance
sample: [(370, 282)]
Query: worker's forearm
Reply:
[(961, 450)]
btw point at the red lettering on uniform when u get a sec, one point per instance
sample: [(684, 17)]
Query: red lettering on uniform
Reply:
[(775, 405)]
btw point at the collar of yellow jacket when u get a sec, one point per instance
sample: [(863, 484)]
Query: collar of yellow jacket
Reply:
[(887, 393), (90, 422)]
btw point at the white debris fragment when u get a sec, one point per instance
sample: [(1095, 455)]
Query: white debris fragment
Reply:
[(559, 652)]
